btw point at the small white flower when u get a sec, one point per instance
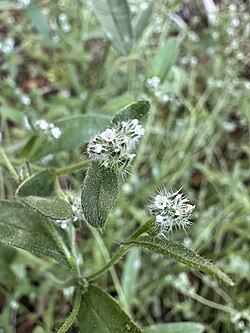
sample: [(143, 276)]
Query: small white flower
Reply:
[(160, 201), (132, 156), (135, 121), (109, 134), (159, 219), (114, 147), (171, 210), (56, 132), (97, 148), (42, 124), (139, 130)]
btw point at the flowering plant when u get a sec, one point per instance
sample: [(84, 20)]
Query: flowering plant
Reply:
[(44, 220)]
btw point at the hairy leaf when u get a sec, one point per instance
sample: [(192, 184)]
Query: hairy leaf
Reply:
[(142, 21), (55, 208), (75, 131), (39, 184), (180, 253), (164, 59), (100, 189), (99, 312), (134, 110), (114, 17), (25, 229)]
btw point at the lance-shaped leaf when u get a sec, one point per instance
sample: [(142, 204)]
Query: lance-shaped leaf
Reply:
[(35, 13), (39, 184), (36, 192), (130, 275), (75, 131), (26, 229), (180, 253), (114, 17), (101, 313), (175, 328), (55, 208), (100, 189), (136, 110), (164, 59), (142, 22)]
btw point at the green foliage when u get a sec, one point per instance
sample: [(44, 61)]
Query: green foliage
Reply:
[(39, 184), (99, 312), (99, 192), (114, 17), (180, 253), (25, 229), (136, 110), (54, 208), (164, 59), (67, 66), (75, 131), (130, 275)]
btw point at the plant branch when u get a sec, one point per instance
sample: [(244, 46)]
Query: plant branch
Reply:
[(72, 168), (70, 321), (119, 254), (8, 164), (60, 243)]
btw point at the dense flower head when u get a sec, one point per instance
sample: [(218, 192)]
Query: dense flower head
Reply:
[(113, 147), (171, 210)]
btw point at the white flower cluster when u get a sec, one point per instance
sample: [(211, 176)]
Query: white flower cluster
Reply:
[(48, 128), (171, 210), (113, 147)]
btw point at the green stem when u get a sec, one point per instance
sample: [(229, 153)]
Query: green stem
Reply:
[(113, 273), (74, 249), (60, 243), (70, 321), (120, 253), (144, 228), (123, 249), (8, 164), (72, 168)]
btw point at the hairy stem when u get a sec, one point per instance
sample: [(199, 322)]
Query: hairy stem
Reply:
[(72, 168), (119, 254), (70, 321), (60, 243)]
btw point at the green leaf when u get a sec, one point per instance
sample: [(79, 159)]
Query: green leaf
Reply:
[(101, 313), (54, 208), (25, 229), (40, 184), (185, 327), (164, 59), (7, 255), (114, 17), (75, 131), (130, 275), (8, 5), (142, 22), (38, 19), (134, 110), (100, 189), (180, 253)]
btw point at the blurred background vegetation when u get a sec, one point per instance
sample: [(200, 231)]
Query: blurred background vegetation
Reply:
[(191, 60)]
